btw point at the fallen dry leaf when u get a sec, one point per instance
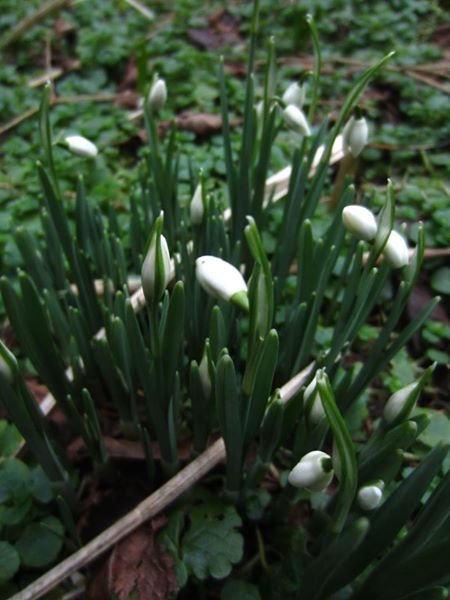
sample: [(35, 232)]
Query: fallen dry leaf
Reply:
[(139, 564), (222, 31), (124, 449)]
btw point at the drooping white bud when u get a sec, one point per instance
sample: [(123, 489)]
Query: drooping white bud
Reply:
[(197, 209), (222, 280), (397, 401), (158, 95), (360, 221), (356, 135), (396, 250), (296, 120), (294, 94), (312, 472), (370, 496), (81, 146), (313, 403), (148, 273)]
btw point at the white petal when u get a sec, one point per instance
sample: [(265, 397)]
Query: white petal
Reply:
[(309, 472), (396, 402), (294, 94), (158, 94), (196, 208), (369, 497), (218, 277), (81, 146), (360, 221), (296, 119), (396, 250)]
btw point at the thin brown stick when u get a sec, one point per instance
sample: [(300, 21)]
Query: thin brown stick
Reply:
[(148, 508), (28, 22), (17, 120)]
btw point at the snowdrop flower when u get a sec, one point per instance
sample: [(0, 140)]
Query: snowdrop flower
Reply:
[(81, 146), (296, 120), (294, 94), (153, 289), (197, 209), (158, 95), (396, 250), (221, 280), (369, 497), (313, 472), (397, 401), (356, 135), (359, 221), (313, 403)]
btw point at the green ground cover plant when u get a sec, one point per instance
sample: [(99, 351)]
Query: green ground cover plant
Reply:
[(229, 319)]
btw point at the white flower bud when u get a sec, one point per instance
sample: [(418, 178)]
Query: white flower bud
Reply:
[(316, 412), (158, 95), (222, 280), (148, 273), (311, 472), (356, 135), (370, 496), (197, 208), (396, 250), (81, 146), (360, 221), (294, 94), (397, 401), (296, 120)]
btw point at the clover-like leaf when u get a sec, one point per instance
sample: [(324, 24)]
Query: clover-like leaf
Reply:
[(40, 543), (212, 543), (9, 561)]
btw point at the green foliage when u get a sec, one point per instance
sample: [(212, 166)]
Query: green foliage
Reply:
[(40, 543), (190, 365), (206, 542)]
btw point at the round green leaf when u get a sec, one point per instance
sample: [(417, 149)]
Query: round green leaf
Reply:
[(12, 515), (9, 561), (14, 475), (40, 543), (440, 280), (39, 486)]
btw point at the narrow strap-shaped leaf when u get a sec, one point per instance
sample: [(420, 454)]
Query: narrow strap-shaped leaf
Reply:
[(271, 428), (264, 372), (431, 522), (348, 477), (424, 569), (173, 331), (317, 580), (229, 416), (389, 519)]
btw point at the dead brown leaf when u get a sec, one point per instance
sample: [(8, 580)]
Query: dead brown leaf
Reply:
[(202, 123), (122, 449), (222, 31), (139, 564)]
